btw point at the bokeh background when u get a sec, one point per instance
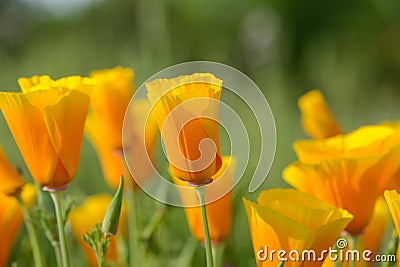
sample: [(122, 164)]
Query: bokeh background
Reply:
[(350, 50)]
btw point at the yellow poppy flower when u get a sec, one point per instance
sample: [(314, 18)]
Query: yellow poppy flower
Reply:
[(11, 182), (316, 118), (110, 99), (218, 212), (47, 121), (186, 111), (348, 171), (11, 219), (84, 218), (286, 219)]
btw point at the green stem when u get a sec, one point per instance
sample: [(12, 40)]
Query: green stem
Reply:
[(57, 251), (154, 222), (135, 251), (122, 250), (56, 196), (207, 241), (103, 250), (37, 258), (218, 254)]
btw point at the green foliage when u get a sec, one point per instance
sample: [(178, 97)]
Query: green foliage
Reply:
[(99, 242)]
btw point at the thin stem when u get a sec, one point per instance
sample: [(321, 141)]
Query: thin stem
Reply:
[(218, 254), (154, 222), (122, 250), (207, 242), (135, 251), (37, 258), (56, 196), (104, 250), (57, 251)]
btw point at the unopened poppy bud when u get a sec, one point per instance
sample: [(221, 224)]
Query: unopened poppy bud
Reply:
[(111, 219)]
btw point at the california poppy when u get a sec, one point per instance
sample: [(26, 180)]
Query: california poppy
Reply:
[(289, 220), (316, 117), (47, 121), (104, 125), (186, 111), (349, 171)]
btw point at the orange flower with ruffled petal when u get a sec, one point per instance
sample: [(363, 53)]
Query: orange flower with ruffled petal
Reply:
[(186, 111), (110, 99), (286, 219), (349, 171), (47, 121)]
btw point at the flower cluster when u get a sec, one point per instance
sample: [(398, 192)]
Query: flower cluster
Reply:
[(344, 184)]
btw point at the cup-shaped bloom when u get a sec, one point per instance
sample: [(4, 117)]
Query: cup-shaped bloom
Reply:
[(47, 121), (289, 220), (11, 182), (11, 219), (349, 171), (219, 211), (186, 111), (316, 117), (84, 218), (110, 98)]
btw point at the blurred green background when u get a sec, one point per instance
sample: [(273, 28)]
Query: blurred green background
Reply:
[(350, 50)]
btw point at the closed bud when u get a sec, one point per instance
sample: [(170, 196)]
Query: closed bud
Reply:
[(111, 219)]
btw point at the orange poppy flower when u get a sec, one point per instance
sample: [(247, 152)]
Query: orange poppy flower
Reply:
[(348, 171), (11, 182), (286, 219), (47, 121), (316, 118), (84, 218), (11, 219), (218, 212), (110, 99), (186, 111)]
